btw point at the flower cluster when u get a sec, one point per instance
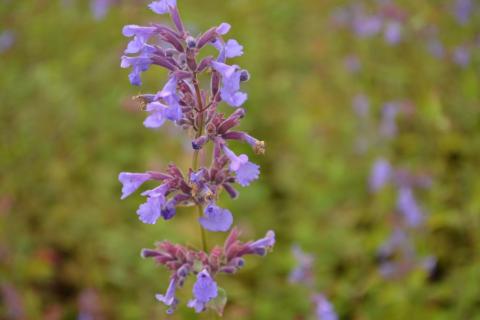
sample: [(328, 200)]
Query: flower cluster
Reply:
[(184, 102), (303, 274)]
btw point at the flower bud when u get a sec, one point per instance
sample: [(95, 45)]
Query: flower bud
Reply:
[(191, 42), (244, 76)]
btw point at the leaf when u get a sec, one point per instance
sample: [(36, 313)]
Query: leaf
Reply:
[(218, 304)]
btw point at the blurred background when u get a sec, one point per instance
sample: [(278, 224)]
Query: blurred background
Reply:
[(371, 115)]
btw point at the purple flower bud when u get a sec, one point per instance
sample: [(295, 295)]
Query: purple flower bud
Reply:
[(216, 219), (223, 28), (131, 182), (198, 143), (244, 76), (204, 290), (148, 253), (162, 6), (191, 42)]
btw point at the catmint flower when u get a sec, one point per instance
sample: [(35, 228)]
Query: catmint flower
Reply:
[(261, 246), (367, 26), (131, 182), (141, 36), (204, 290), (100, 8), (162, 6), (393, 32), (230, 91), (323, 308), (150, 211), (7, 39), (408, 207), (361, 105), (157, 115), (303, 272), (463, 10), (380, 175), (388, 126), (216, 218), (461, 56), (139, 64), (245, 171), (169, 298)]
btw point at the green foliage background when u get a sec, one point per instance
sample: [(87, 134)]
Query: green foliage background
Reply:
[(68, 127)]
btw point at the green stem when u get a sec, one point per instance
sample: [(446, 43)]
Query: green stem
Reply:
[(196, 154)]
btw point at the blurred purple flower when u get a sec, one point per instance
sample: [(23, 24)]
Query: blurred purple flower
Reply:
[(393, 32), (361, 105), (323, 308), (303, 272), (204, 290), (461, 56), (408, 207), (367, 26), (435, 47), (216, 218), (100, 8), (388, 125), (7, 39), (380, 175), (463, 10)]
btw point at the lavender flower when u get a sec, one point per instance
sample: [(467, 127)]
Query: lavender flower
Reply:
[(204, 290), (231, 77), (162, 6)]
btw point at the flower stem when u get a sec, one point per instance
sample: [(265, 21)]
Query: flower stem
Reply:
[(196, 154)]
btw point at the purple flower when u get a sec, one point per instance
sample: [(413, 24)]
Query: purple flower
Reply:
[(230, 91), (150, 211), (393, 32), (7, 39), (323, 308), (131, 182), (141, 36), (223, 28), (157, 117), (100, 8), (162, 6), (303, 271), (463, 10), (461, 56), (408, 206), (139, 64), (388, 126), (169, 95), (230, 49), (204, 290), (361, 105), (245, 170), (169, 298), (365, 26), (216, 219), (261, 246), (380, 175)]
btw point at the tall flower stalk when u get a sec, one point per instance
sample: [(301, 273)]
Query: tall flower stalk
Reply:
[(194, 107)]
